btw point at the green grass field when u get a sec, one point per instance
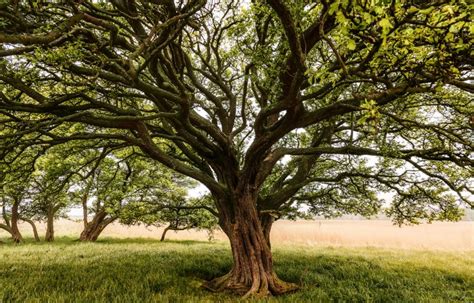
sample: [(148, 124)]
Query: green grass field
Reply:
[(133, 270)]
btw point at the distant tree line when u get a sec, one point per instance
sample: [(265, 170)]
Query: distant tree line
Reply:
[(109, 185)]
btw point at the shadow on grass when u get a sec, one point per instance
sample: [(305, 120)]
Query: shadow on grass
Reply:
[(173, 272), (65, 240), (111, 240), (32, 241)]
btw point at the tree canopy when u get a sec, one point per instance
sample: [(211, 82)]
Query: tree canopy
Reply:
[(271, 105)]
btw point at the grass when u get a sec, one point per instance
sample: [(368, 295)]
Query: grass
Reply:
[(138, 270)]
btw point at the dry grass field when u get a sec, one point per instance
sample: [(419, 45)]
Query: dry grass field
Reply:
[(447, 236)]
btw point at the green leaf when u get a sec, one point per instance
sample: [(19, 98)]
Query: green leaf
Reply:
[(351, 44), (385, 24)]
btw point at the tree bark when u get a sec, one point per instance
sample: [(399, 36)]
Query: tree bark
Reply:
[(95, 227), (16, 235), (163, 235), (49, 237), (33, 227), (252, 273), (266, 220)]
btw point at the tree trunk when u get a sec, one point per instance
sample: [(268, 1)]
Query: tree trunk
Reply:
[(163, 235), (50, 226), (252, 272), (16, 235), (95, 227), (267, 220), (33, 226)]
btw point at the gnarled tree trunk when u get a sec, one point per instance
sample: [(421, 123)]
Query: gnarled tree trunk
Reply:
[(252, 273), (267, 220), (95, 227), (16, 235)]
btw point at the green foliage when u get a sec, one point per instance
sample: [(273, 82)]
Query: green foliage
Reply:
[(50, 183), (415, 205), (370, 113), (322, 106), (173, 211), (63, 56)]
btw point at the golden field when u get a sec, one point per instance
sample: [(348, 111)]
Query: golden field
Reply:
[(448, 236)]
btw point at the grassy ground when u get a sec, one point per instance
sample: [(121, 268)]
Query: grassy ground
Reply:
[(138, 270)]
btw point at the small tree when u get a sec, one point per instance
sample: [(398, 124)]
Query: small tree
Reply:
[(50, 183), (13, 211), (174, 211), (160, 199), (15, 184), (109, 186), (106, 191), (12, 195), (186, 214)]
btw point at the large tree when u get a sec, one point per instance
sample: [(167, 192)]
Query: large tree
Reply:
[(269, 104)]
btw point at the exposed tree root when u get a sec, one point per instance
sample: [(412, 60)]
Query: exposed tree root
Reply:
[(261, 286)]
